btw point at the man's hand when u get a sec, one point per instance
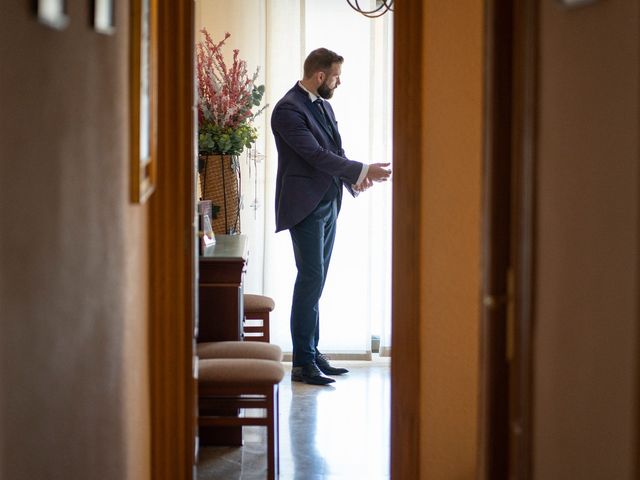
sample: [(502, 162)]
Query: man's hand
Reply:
[(378, 172), (363, 185)]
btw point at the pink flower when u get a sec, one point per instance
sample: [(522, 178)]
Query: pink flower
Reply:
[(225, 94)]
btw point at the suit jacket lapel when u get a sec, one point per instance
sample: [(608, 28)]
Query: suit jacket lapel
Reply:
[(318, 116)]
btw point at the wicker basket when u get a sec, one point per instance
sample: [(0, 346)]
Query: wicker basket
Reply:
[(220, 183)]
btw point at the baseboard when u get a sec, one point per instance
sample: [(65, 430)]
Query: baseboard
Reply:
[(364, 356)]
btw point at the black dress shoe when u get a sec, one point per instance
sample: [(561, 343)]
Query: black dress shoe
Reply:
[(311, 374), (326, 368)]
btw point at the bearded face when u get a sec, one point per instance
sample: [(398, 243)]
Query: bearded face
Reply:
[(325, 91), (331, 81)]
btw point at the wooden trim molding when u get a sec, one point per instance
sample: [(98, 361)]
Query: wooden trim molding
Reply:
[(637, 387), (172, 251), (525, 92), (407, 214), (493, 451), (509, 235)]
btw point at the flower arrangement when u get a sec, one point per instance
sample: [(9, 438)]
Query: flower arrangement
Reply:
[(227, 96)]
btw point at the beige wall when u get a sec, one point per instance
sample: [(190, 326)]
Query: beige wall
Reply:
[(451, 237), (74, 395), (586, 331), (245, 20)]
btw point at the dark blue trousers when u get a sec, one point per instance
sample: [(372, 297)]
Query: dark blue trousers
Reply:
[(312, 246)]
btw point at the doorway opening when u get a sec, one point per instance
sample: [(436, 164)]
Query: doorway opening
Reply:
[(275, 39), (356, 302)]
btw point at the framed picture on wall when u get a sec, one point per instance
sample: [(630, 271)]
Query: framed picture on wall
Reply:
[(103, 16), (52, 13), (143, 98)]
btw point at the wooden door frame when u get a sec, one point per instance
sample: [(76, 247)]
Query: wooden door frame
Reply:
[(407, 212), (172, 257), (524, 235), (493, 441), (509, 235)]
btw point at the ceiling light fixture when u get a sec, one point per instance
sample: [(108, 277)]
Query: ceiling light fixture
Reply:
[(382, 7)]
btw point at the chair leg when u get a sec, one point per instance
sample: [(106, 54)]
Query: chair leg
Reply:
[(276, 402), (273, 461)]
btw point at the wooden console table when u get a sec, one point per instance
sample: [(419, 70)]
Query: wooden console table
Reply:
[(222, 268)]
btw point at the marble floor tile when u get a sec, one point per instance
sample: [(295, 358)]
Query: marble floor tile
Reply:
[(337, 432)]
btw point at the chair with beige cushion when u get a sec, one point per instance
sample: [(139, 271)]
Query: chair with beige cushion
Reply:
[(231, 349), (229, 384), (256, 317)]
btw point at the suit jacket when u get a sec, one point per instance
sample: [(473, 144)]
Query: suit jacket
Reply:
[(310, 156)]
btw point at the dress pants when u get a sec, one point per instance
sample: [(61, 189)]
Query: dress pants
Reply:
[(313, 240)]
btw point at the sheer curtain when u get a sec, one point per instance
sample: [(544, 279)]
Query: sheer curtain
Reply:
[(278, 34), (356, 299)]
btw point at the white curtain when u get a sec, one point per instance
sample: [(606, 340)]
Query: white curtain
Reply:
[(356, 299)]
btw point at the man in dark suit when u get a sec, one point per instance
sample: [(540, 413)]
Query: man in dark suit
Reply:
[(312, 170)]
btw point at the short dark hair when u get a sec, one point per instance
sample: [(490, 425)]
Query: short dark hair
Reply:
[(320, 60)]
